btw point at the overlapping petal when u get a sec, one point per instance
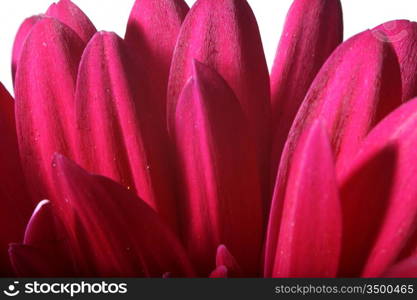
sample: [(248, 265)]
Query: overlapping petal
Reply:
[(152, 32), (111, 232), (313, 29), (20, 39), (407, 268), (378, 193), (220, 176), (402, 34), (309, 240), (44, 251), (14, 200), (44, 88), (118, 135), (357, 87), (224, 35), (71, 15)]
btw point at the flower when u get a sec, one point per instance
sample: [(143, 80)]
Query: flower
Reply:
[(174, 153)]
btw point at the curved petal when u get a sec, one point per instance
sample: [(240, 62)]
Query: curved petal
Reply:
[(15, 202), (224, 35), (404, 269), (219, 272), (44, 87), (220, 179), (152, 33), (111, 232), (313, 29), (309, 241), (402, 34), (356, 88), (20, 39), (72, 16), (118, 136), (378, 193), (44, 252), (226, 259)]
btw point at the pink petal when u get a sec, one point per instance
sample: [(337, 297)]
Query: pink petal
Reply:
[(404, 269), (152, 33), (14, 200), (224, 35), (24, 30), (358, 85), (225, 258), (378, 193), (72, 16), (310, 235), (111, 231), (221, 185), (44, 252), (403, 36), (44, 87), (313, 29), (219, 272), (118, 136)]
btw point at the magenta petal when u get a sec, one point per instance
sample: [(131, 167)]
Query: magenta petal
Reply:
[(112, 232), (403, 36), (310, 234), (219, 272), (20, 39), (152, 33), (356, 88), (15, 202), (43, 252), (72, 16), (224, 35), (225, 258), (221, 184), (313, 29), (44, 87), (406, 268), (118, 135), (378, 193)]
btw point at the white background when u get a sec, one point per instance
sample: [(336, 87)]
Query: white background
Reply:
[(112, 15)]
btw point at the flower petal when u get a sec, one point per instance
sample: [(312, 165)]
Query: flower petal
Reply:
[(221, 184), (404, 269), (225, 258), (310, 235), (118, 136), (378, 193), (44, 87), (313, 29), (358, 85), (224, 35), (20, 39), (44, 252), (72, 16), (219, 272), (403, 36), (15, 202), (152, 33), (111, 231)]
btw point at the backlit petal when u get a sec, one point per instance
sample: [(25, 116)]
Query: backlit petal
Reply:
[(313, 29), (310, 235), (44, 87), (152, 33), (221, 185), (118, 135), (72, 16)]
